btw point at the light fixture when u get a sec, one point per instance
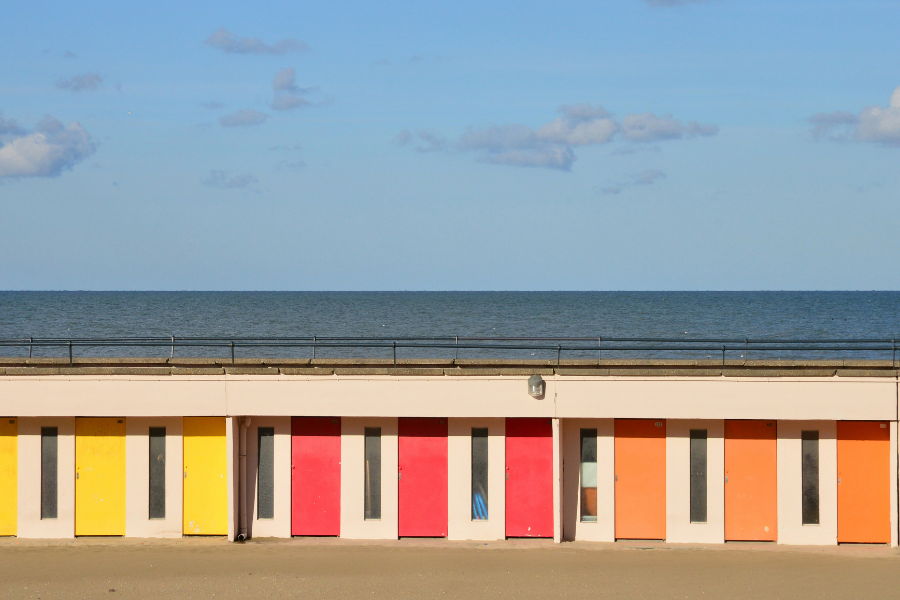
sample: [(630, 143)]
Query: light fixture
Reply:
[(536, 386)]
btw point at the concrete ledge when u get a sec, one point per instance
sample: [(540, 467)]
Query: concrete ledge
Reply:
[(448, 367)]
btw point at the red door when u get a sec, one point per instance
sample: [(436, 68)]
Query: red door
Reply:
[(422, 478), (529, 478), (316, 476)]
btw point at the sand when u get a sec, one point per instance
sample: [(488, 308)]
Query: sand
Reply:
[(206, 568)]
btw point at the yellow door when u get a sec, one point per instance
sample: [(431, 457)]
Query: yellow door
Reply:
[(99, 476), (205, 476), (9, 475)]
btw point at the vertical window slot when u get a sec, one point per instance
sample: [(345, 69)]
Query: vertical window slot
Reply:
[(157, 472), (589, 475), (265, 474), (49, 471), (479, 474), (373, 473), (698, 476), (810, 448)]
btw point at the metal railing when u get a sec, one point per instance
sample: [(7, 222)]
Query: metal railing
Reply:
[(485, 347)]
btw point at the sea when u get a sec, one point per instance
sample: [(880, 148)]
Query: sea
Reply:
[(674, 315)]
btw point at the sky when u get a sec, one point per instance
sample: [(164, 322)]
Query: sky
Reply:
[(606, 145)]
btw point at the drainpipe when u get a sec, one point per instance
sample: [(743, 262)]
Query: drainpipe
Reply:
[(242, 478)]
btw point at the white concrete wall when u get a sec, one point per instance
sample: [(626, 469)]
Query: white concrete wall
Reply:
[(459, 485), (353, 522), (679, 528), (137, 495), (30, 524), (556, 426), (114, 396), (832, 398), (791, 529), (232, 430), (805, 398), (604, 530), (280, 526)]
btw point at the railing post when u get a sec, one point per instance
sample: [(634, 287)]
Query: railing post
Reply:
[(395, 353), (70, 353), (173, 348), (232, 352), (457, 347), (599, 349), (723, 359), (558, 353), (314, 347), (30, 343)]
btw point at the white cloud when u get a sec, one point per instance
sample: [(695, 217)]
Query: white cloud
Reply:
[(647, 127), (425, 141), (230, 43), (243, 118), (874, 124), (294, 166), (551, 157), (81, 83), (646, 177), (551, 145), (226, 181), (835, 126), (289, 102), (288, 95), (45, 152)]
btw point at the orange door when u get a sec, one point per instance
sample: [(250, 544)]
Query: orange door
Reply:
[(640, 449), (864, 482), (751, 488)]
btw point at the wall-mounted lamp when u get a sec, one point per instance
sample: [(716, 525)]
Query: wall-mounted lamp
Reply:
[(536, 386)]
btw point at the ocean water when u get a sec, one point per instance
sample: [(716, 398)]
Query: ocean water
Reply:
[(791, 315)]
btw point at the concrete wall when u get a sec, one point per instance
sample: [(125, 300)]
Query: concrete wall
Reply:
[(604, 529), (461, 526), (471, 401), (679, 528), (791, 529), (353, 522), (280, 525), (805, 398), (137, 495), (30, 524)]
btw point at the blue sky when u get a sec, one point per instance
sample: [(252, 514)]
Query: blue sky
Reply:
[(621, 145)]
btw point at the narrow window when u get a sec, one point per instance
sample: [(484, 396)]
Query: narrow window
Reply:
[(49, 465), (265, 474), (479, 474), (157, 472), (810, 448), (698, 476), (589, 475), (373, 473)]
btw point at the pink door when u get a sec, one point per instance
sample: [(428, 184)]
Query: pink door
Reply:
[(422, 477), (529, 478), (316, 476)]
